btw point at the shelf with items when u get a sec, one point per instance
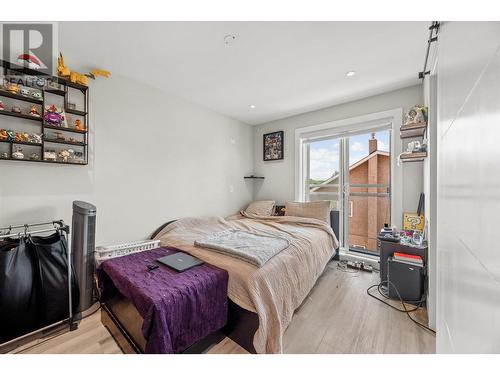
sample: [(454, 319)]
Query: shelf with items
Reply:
[(415, 130), (406, 157), (9, 94), (21, 142), (46, 91), (75, 112), (43, 161), (65, 142), (20, 115), (55, 92), (61, 128)]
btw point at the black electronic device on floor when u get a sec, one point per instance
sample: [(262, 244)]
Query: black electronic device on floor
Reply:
[(407, 278)]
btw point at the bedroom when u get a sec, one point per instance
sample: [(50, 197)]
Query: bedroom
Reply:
[(279, 154)]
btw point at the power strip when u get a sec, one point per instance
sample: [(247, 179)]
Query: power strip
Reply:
[(360, 266)]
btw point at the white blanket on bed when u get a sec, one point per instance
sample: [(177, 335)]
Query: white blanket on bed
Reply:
[(254, 248)]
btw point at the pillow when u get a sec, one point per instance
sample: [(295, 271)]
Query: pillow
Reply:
[(316, 210), (260, 208)]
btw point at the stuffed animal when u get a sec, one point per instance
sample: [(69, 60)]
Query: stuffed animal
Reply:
[(53, 116), (75, 77), (3, 135)]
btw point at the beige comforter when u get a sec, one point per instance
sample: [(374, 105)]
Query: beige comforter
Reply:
[(276, 289)]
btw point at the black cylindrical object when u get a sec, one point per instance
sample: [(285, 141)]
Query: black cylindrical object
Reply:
[(82, 249)]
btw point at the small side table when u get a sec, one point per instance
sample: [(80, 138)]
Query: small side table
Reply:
[(388, 248)]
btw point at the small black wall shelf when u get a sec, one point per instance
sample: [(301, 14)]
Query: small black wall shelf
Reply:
[(50, 145), (253, 178)]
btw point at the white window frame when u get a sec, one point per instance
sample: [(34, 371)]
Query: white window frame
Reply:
[(394, 117)]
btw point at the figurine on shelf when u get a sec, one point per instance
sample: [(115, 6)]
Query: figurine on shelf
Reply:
[(25, 92), (35, 138), (416, 115), (34, 156), (11, 135), (2, 107), (50, 155), (53, 116), (18, 154), (75, 77), (79, 125), (22, 137), (16, 109), (63, 155), (3, 135), (4, 155), (34, 112), (59, 136), (12, 88), (36, 95)]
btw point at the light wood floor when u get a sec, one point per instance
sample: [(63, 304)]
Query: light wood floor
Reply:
[(337, 317)]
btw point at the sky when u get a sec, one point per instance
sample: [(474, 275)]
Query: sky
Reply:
[(324, 157)]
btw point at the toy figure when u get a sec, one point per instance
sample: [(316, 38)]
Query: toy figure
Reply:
[(11, 136), (64, 155), (34, 112), (417, 114), (25, 92), (79, 125), (4, 155), (35, 138), (50, 155), (13, 88), (34, 156), (3, 135), (59, 136), (36, 95), (22, 137), (2, 107), (16, 110), (75, 77), (53, 117), (18, 154)]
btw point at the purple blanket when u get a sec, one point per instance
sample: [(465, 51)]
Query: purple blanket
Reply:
[(178, 308)]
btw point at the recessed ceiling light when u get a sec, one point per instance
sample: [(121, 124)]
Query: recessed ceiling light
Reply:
[(350, 73), (252, 106)]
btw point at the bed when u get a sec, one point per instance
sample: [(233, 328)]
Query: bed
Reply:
[(262, 300)]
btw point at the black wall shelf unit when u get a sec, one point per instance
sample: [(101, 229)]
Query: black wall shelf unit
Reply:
[(68, 138)]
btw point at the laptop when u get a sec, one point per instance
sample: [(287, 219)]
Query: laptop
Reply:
[(180, 261)]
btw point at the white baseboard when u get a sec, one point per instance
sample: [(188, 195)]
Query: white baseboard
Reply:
[(367, 259)]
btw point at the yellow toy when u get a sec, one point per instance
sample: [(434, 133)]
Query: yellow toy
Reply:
[(75, 77), (13, 88)]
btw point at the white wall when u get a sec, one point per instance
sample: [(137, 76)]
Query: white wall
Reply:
[(279, 175), (153, 158), (468, 310)]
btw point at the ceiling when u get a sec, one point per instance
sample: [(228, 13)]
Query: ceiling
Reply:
[(282, 68)]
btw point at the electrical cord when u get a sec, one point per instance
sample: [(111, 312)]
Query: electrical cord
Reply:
[(342, 266), (405, 310)]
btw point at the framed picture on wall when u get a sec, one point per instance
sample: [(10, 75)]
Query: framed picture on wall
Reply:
[(273, 146)]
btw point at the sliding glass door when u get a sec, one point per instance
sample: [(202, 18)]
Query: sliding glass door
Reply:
[(353, 171)]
